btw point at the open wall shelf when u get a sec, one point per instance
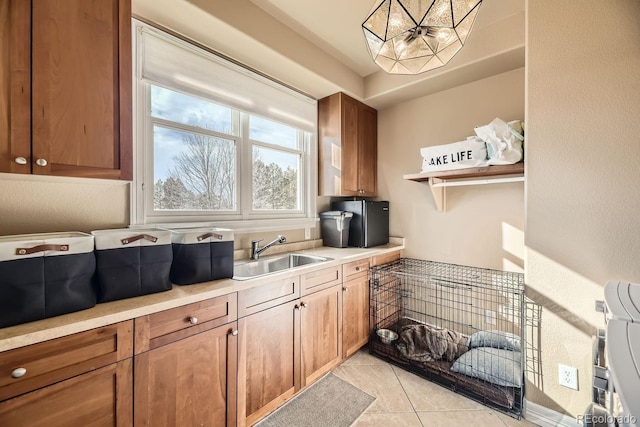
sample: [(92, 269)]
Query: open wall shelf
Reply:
[(438, 181)]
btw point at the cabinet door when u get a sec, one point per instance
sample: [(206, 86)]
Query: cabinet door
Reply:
[(350, 152), (189, 382), (81, 88), (15, 86), (268, 360), (347, 147), (98, 398), (367, 151), (355, 300), (320, 333)]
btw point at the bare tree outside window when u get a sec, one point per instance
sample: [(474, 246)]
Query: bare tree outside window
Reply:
[(196, 164), (207, 168), (203, 176)]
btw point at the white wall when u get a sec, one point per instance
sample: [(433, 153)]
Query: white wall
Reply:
[(483, 225), (583, 175)]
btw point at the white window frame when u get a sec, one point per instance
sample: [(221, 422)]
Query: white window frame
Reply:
[(245, 218)]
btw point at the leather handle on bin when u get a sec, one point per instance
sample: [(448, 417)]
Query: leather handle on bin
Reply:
[(42, 248), (207, 235), (132, 239)]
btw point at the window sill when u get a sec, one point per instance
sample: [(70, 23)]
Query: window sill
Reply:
[(243, 226)]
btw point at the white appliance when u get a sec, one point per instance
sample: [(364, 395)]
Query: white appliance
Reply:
[(620, 376), (622, 300)]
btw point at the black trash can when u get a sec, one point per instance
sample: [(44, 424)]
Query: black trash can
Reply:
[(334, 226)]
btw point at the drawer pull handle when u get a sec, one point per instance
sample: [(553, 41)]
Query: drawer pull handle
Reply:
[(358, 268), (234, 332), (18, 373), (193, 320)]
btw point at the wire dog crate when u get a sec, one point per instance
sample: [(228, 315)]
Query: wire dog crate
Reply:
[(462, 327)]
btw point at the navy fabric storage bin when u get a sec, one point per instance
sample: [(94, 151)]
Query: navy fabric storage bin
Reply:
[(201, 255), (132, 262), (45, 275)]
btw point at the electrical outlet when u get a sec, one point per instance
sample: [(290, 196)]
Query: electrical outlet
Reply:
[(490, 317), (568, 376)]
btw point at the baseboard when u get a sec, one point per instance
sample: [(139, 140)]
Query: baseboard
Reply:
[(546, 417)]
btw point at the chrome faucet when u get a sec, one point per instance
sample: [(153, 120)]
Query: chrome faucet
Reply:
[(257, 250)]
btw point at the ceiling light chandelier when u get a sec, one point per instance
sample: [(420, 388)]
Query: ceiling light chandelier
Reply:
[(414, 36)]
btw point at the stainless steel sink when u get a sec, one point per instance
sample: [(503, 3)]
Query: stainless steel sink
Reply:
[(245, 270)]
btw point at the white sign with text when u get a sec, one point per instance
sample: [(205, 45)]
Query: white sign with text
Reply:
[(470, 153)]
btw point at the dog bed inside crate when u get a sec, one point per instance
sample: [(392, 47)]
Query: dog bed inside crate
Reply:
[(463, 303), (439, 371)]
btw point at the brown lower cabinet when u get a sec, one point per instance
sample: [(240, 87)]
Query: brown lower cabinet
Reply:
[(83, 379), (268, 360), (98, 398), (320, 333), (355, 302), (185, 365), (287, 346), (190, 382)]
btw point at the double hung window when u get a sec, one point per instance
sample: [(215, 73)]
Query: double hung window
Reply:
[(218, 143)]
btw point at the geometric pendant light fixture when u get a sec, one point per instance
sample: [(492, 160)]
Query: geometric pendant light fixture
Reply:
[(414, 36)]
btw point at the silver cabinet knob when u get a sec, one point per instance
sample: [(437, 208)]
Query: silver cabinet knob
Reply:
[(41, 162), (21, 160), (345, 289), (193, 320), (18, 372), (234, 332)]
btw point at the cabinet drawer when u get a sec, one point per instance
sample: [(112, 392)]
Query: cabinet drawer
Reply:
[(385, 258), (321, 279), (157, 329), (268, 295), (100, 397), (355, 268), (56, 360)]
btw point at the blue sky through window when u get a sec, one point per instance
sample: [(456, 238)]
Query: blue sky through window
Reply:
[(186, 109)]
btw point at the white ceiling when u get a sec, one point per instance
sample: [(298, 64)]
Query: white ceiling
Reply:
[(335, 25), (318, 46)]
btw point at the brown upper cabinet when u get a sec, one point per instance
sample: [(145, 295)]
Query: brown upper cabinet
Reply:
[(347, 145), (65, 88)]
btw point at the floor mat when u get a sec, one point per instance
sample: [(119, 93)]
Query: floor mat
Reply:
[(331, 401)]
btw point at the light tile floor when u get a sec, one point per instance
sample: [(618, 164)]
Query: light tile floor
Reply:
[(404, 399)]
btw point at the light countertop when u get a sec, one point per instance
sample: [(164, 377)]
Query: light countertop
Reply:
[(126, 309)]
